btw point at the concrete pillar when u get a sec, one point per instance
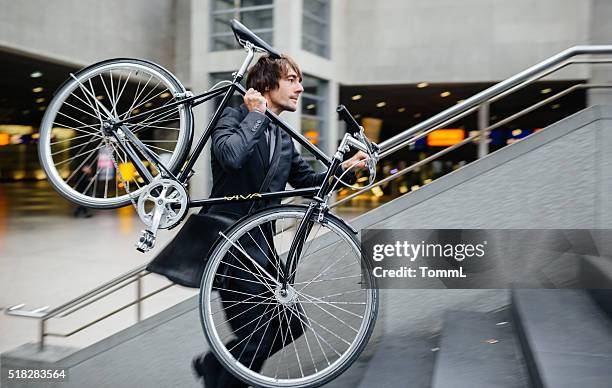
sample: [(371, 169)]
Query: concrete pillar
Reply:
[(601, 33), (182, 41), (199, 67), (287, 40)]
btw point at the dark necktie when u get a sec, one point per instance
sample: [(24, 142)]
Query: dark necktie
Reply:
[(271, 140)]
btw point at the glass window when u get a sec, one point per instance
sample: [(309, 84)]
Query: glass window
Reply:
[(315, 27), (257, 15), (214, 78), (314, 112)]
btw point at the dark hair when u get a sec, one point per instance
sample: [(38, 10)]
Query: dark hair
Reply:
[(266, 72)]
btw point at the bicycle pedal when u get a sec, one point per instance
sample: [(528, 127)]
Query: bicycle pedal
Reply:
[(146, 242)]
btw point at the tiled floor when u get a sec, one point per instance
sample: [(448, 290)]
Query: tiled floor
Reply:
[(48, 257)]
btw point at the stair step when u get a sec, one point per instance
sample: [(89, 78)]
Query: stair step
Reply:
[(478, 350), (566, 338), (401, 362), (596, 273)]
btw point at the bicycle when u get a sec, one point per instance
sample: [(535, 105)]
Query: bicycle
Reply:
[(141, 157)]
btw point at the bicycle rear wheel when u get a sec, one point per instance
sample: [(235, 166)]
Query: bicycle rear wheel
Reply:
[(86, 165), (305, 338)]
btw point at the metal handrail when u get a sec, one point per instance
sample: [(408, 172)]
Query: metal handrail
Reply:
[(487, 96), (387, 147), (468, 139), (391, 145), (108, 288)]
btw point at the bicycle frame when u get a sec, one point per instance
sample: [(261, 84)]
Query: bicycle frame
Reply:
[(119, 130)]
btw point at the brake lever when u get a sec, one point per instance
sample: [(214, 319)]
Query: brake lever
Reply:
[(372, 149)]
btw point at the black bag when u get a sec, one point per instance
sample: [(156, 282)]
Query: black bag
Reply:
[(183, 260)]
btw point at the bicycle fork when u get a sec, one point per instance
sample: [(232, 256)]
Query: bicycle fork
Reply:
[(305, 226), (295, 251)]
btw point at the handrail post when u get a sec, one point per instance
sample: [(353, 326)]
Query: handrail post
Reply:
[(41, 343), (483, 124), (139, 297)]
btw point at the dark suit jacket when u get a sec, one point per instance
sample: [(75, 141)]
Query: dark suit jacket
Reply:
[(240, 159)]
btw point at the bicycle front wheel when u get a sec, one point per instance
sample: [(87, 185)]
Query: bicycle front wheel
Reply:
[(85, 164), (306, 336)]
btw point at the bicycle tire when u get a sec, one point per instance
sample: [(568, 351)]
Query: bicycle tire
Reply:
[(125, 87), (336, 236)]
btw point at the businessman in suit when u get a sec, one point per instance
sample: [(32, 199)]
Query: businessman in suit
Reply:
[(246, 146)]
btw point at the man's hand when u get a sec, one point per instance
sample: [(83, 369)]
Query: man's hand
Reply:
[(358, 160), (254, 101)]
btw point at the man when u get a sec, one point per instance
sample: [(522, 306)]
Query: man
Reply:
[(245, 146)]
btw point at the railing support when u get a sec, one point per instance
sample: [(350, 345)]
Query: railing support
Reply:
[(41, 343), (483, 124), (139, 298)]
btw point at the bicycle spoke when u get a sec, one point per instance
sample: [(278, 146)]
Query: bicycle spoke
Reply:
[(137, 94), (297, 355), (329, 280), (154, 118), (159, 148), (112, 97), (343, 293), (235, 292), (79, 168), (324, 271), (69, 148), (97, 102), (109, 95), (252, 333), (248, 270), (307, 343), (83, 176), (75, 156), (93, 180), (71, 139), (146, 98), (160, 127), (89, 105), (310, 297), (282, 357), (154, 96), (245, 325), (261, 340), (329, 331), (257, 265), (264, 253), (318, 336), (81, 110), (82, 123), (304, 253), (335, 302), (336, 317), (121, 92)]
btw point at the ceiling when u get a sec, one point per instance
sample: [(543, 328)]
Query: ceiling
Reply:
[(419, 104), (18, 101)]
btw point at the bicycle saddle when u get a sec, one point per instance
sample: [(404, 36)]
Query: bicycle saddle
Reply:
[(243, 34)]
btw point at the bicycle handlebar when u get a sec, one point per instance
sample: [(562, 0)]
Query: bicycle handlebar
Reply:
[(353, 127), (356, 130)]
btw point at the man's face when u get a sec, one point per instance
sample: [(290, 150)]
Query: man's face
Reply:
[(285, 97)]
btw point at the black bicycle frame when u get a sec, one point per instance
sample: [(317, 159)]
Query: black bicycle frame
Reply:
[(183, 175), (318, 193)]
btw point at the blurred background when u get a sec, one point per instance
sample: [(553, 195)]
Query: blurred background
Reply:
[(393, 63)]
